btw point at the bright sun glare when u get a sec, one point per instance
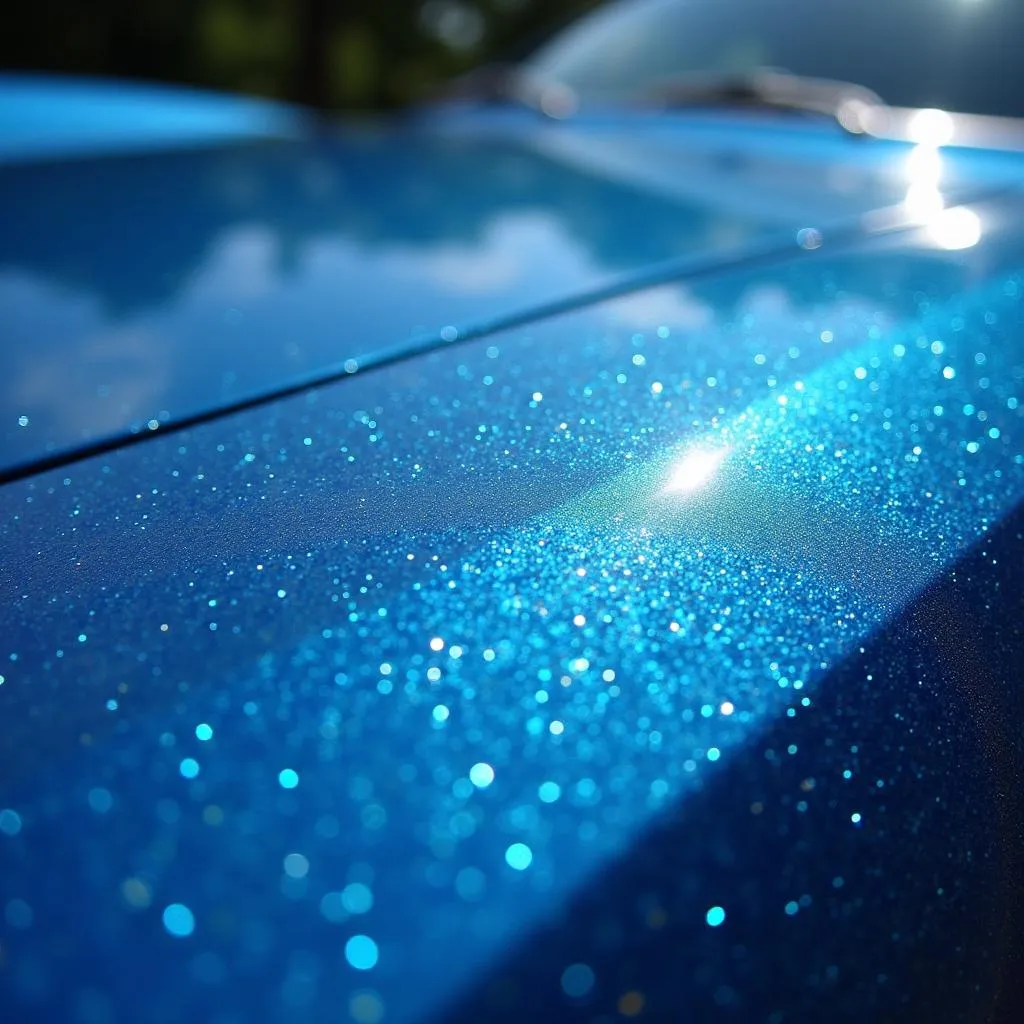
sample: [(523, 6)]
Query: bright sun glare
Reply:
[(694, 470)]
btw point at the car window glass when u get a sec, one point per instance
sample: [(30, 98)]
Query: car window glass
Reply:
[(959, 55)]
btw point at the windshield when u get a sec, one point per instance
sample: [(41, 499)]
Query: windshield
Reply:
[(958, 55)]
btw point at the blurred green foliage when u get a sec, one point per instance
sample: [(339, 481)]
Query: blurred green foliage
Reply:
[(354, 54)]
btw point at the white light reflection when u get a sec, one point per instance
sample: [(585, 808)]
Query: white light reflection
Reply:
[(924, 204), (931, 128), (694, 470), (956, 228), (923, 201), (924, 165)]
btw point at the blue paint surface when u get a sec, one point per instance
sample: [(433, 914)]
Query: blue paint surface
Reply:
[(47, 117), (523, 654), (143, 288)]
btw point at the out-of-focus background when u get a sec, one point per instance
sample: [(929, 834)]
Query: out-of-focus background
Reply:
[(335, 54)]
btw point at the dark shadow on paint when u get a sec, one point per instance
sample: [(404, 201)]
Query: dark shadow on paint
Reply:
[(925, 924)]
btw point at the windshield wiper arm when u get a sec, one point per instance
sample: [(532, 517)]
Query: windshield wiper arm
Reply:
[(852, 105), (512, 84)]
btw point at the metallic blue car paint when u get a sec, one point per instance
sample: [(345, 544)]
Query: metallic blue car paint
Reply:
[(719, 491), (143, 289), (43, 117)]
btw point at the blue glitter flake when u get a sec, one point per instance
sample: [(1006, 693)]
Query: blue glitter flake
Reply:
[(357, 898), (577, 981), (100, 800), (549, 792), (332, 907), (361, 952), (10, 822), (519, 856), (178, 920), (481, 775)]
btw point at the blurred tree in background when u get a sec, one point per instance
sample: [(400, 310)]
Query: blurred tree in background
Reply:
[(354, 54)]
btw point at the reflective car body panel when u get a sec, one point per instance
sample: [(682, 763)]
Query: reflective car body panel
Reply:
[(49, 117), (143, 288), (639, 636)]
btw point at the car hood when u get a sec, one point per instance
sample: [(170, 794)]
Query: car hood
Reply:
[(467, 631), (142, 284)]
